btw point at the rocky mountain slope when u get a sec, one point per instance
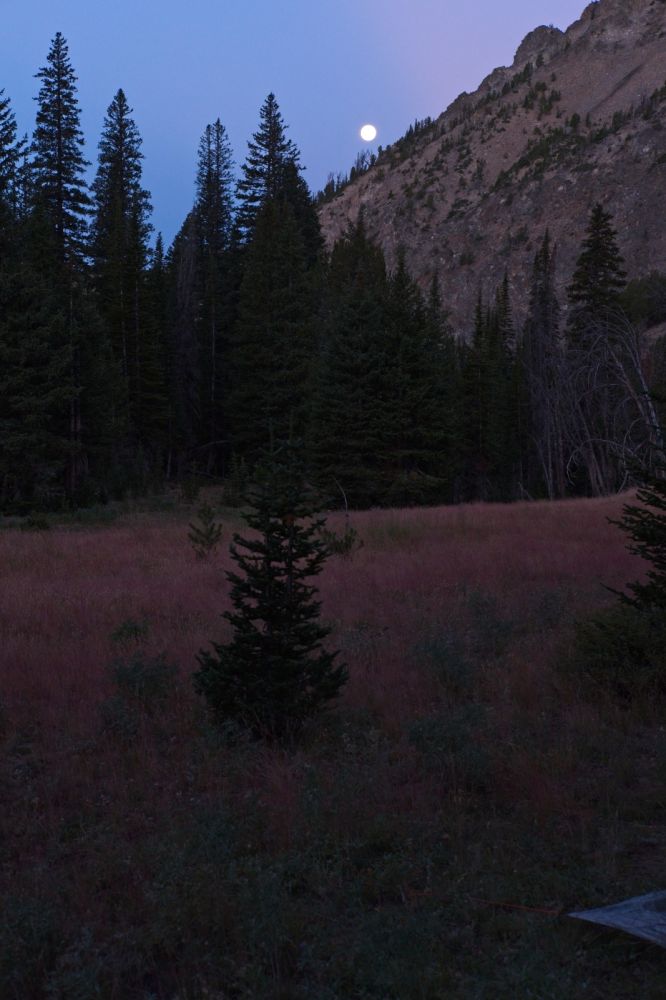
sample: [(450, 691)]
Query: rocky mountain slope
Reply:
[(579, 117)]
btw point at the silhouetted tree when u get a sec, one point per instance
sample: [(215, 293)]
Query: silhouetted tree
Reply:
[(274, 674)]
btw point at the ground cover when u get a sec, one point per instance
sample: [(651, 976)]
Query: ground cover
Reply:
[(424, 841)]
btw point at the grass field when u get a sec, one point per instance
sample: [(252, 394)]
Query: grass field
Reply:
[(425, 841)]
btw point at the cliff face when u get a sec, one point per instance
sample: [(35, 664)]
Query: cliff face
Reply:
[(579, 117)]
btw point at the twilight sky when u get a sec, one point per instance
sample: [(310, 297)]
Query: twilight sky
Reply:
[(333, 67)]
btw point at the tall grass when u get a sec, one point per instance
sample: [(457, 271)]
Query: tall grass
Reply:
[(147, 856)]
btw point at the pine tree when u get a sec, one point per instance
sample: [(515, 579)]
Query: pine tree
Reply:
[(350, 409), (273, 338), (120, 232), (601, 420), (445, 365), (274, 673), (491, 394), (599, 276), (414, 435), (59, 164), (35, 390), (11, 151), (542, 359), (646, 527), (265, 171), (213, 210), (185, 376)]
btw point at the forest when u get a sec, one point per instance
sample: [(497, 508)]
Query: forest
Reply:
[(126, 366)]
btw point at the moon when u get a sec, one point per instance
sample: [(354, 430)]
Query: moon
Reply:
[(368, 133)]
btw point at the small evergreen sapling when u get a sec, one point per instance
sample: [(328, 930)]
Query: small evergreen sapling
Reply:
[(206, 534), (274, 673)]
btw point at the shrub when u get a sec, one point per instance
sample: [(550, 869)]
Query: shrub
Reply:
[(621, 651), (345, 544), (206, 534)]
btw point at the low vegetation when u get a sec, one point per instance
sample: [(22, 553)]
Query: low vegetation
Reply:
[(425, 839)]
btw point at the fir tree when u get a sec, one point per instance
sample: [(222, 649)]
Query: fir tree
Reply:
[(265, 172), (274, 673), (35, 391), (120, 253), (414, 436), (213, 210), (273, 338), (185, 376), (59, 164), (350, 409), (11, 151), (542, 359), (646, 527), (599, 276), (594, 356), (491, 403)]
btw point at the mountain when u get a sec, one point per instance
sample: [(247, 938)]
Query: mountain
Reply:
[(579, 117)]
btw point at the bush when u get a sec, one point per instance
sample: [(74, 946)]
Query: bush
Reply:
[(345, 544), (622, 651), (205, 534)]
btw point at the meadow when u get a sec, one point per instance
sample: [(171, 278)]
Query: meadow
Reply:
[(425, 840)]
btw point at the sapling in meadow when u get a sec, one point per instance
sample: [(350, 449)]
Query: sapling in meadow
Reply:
[(206, 533), (274, 673)]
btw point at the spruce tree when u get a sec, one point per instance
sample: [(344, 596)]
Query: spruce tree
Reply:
[(35, 390), (119, 245), (11, 151), (274, 673), (414, 436), (350, 410), (542, 358), (273, 338), (59, 164), (491, 395), (265, 171), (595, 353), (213, 210), (646, 527), (184, 371), (599, 277)]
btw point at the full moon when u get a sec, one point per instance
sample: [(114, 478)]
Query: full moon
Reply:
[(368, 133)]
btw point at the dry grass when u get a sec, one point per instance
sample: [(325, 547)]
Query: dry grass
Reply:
[(459, 765)]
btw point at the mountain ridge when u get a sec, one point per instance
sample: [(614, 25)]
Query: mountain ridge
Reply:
[(579, 117)]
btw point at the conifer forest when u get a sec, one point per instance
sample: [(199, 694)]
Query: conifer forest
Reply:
[(127, 365)]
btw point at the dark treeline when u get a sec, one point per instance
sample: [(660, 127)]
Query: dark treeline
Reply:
[(124, 365)]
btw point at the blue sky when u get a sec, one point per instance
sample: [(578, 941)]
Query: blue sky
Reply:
[(332, 66)]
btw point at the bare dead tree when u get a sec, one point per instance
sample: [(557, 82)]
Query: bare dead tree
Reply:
[(612, 422)]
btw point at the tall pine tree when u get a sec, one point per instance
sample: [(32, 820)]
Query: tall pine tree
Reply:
[(11, 150), (542, 359), (271, 164), (59, 164), (213, 210), (119, 249), (350, 409)]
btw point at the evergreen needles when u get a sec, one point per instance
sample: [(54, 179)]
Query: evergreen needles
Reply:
[(205, 535), (646, 527), (274, 673)]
